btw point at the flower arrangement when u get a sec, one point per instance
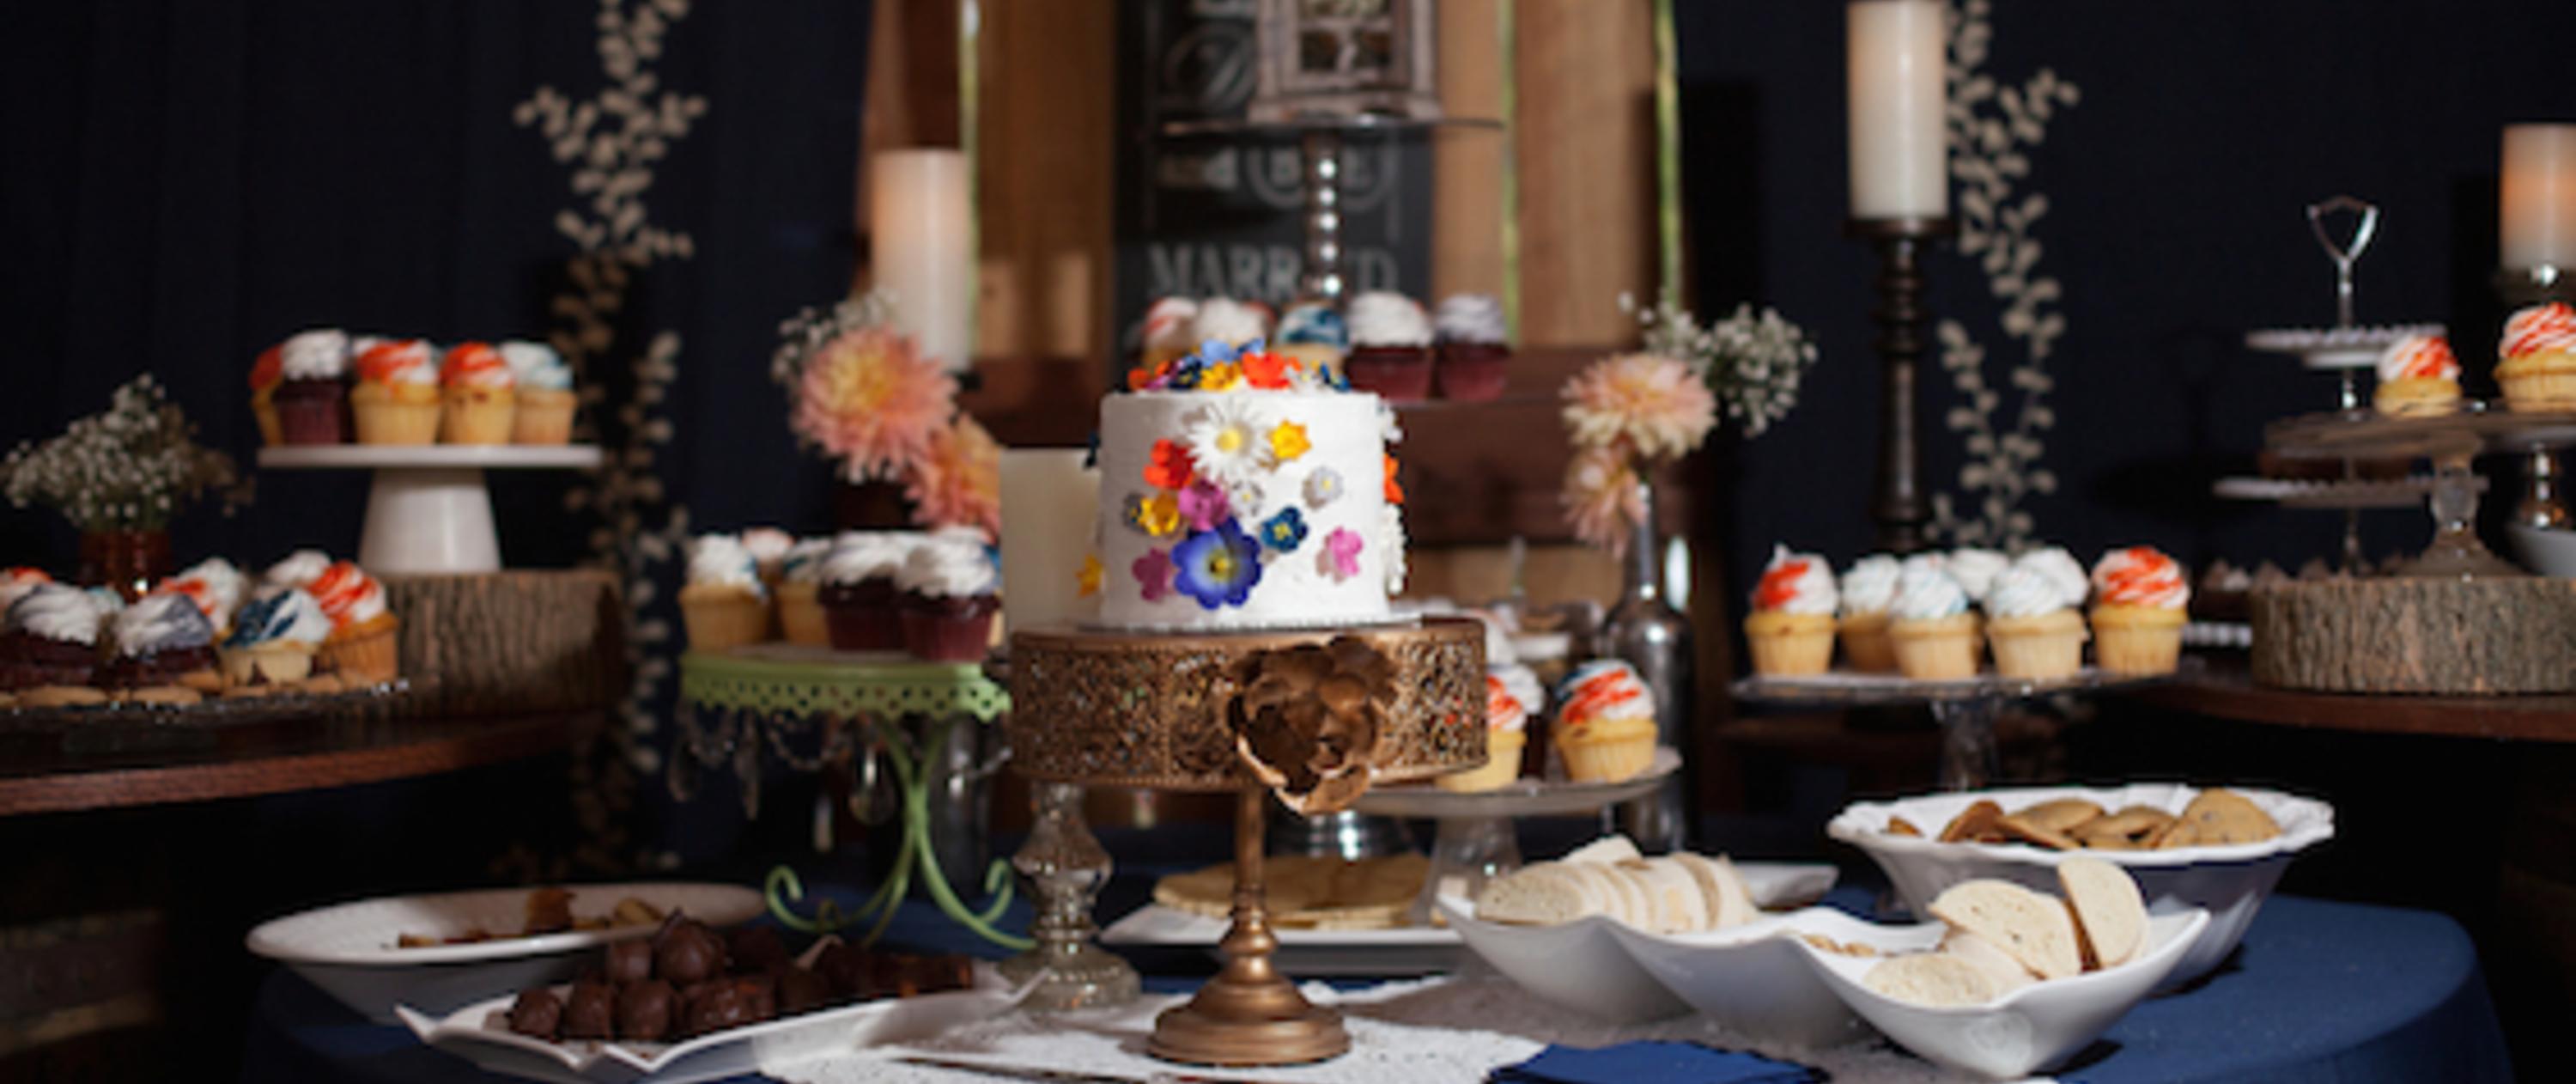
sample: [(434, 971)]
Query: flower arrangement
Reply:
[(130, 468), (1630, 413), (864, 395)]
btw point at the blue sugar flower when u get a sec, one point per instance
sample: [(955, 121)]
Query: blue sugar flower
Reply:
[(1217, 567), (1286, 531)]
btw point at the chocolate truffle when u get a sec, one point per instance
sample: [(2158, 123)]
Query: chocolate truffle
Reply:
[(537, 1013), (590, 1011), (630, 961), (800, 990), (685, 952), (644, 1009), (756, 948)]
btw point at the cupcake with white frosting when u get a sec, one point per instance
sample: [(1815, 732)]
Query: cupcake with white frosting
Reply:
[(311, 396), (1473, 350), (2062, 571), (1225, 320), (723, 601), (545, 396), (2034, 630), (396, 400), (361, 648), (49, 646), (296, 569), (275, 639), (1165, 337), (800, 586), (861, 606), (1791, 628), (1868, 591), (215, 586), (949, 599), (163, 642), (1390, 347), (1934, 631), (1975, 569)]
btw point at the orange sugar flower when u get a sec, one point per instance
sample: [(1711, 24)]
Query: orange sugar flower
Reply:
[(1394, 492), (1267, 371), (1170, 466)]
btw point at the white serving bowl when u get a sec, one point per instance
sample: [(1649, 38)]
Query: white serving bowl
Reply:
[(348, 949), (2034, 1027), (2229, 882), (1755, 979), (2549, 552)]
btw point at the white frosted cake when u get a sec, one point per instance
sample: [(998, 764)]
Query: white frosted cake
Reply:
[(1248, 508)]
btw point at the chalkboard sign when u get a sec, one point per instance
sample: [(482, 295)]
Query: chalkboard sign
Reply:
[(1209, 215)]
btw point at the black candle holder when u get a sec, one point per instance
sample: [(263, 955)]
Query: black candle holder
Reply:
[(1900, 506)]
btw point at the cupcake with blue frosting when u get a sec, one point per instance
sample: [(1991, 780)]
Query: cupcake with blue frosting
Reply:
[(543, 414), (275, 639), (163, 642), (1313, 333)]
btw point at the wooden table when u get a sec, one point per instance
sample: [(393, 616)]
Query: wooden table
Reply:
[(55, 773), (2229, 692)]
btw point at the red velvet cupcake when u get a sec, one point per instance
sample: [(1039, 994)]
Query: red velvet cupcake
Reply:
[(948, 600), (313, 400), (1390, 347), (50, 639), (861, 608), (1472, 352)]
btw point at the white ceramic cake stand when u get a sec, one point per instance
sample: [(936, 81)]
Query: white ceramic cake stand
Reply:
[(1476, 841), (428, 509)]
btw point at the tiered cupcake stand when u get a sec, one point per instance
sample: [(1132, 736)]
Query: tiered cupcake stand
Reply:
[(2453, 442), (1143, 710), (815, 709), (1965, 710), (428, 510)]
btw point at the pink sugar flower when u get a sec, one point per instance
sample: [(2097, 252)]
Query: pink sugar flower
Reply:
[(1203, 505), (1153, 574), (1341, 555)]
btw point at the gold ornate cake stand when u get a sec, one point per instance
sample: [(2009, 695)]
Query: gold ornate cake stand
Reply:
[(1144, 710)]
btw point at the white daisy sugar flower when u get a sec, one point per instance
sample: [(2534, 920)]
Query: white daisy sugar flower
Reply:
[(1226, 444)]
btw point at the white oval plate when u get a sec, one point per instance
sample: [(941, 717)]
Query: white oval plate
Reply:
[(1753, 978), (2230, 882), (2031, 1028), (479, 1033), (348, 949)]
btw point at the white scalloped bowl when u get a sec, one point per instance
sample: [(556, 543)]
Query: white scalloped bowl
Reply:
[(1754, 979), (2229, 882), (348, 949)]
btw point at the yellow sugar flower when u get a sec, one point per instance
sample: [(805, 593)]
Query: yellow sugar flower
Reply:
[(1221, 376), (1088, 581), (1161, 515), (1288, 441)]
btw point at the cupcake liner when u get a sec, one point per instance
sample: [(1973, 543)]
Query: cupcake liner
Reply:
[(1796, 653), (800, 615), (1397, 374), (272, 432), (478, 418), (364, 657), (313, 420), (1471, 372), (941, 637), (863, 626), (277, 663), (1597, 757), (2543, 390), (1944, 649), (2038, 648), (1866, 644), (721, 620), (391, 422), (1502, 764), (543, 416)]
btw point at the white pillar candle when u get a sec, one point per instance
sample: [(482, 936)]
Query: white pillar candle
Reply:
[(918, 235), (1050, 504), (2536, 219), (1899, 147)]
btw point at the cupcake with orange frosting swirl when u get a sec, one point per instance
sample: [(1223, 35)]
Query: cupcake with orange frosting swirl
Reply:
[(481, 399), (2138, 614), (1506, 732), (1605, 723), (2536, 365), (1791, 628), (396, 400), (2418, 378), (361, 645)]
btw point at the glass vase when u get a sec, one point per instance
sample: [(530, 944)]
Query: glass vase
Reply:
[(127, 559), (1645, 629)]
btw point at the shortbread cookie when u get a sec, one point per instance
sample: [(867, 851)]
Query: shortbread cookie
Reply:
[(2217, 817), (1973, 823), (1730, 899), (2110, 919), (1931, 978), (2033, 928), (2059, 814), (2008, 973)]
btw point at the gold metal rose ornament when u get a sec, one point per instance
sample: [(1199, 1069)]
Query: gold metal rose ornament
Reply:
[(1310, 721)]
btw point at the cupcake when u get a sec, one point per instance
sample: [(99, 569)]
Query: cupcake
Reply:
[(948, 602), (1390, 347), (215, 586), (2035, 632), (1506, 733), (49, 641), (800, 601), (2536, 366), (312, 395), (163, 641), (1472, 350), (396, 400), (275, 639), (1791, 628), (1605, 723), (1314, 334), (2418, 377), (16, 582), (1167, 336), (266, 373), (545, 395), (1975, 569), (723, 602), (482, 403), (768, 547), (296, 569), (1228, 321), (2138, 599), (860, 608), (1934, 632), (2062, 571), (1868, 588), (361, 646)]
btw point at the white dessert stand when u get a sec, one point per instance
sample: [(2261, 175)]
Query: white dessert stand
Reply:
[(428, 510)]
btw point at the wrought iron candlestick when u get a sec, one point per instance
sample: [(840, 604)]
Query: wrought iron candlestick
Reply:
[(1900, 507)]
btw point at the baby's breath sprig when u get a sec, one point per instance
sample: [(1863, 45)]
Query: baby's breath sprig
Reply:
[(806, 332), (132, 467), (1754, 361)]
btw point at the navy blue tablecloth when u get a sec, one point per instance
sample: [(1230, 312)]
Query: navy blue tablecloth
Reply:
[(2320, 991)]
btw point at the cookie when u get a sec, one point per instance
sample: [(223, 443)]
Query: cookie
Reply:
[(2016, 826), (162, 694), (1977, 822), (2215, 818), (2132, 824), (2059, 814), (1899, 826), (60, 696), (322, 685)]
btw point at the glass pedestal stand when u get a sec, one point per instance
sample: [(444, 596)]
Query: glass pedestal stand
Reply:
[(1476, 840), (1965, 710), (768, 698), (1065, 868)]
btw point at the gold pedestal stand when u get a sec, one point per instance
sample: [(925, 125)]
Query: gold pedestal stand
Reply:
[(1143, 710)]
